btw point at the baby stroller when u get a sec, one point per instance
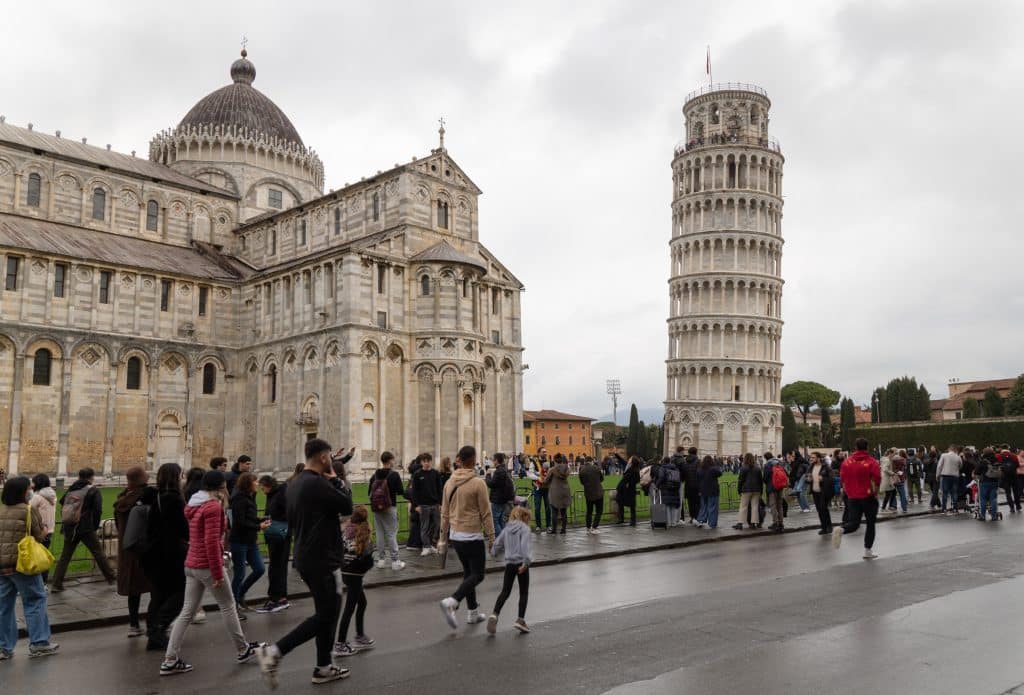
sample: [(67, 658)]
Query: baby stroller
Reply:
[(973, 505)]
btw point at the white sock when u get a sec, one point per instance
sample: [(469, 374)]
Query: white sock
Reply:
[(274, 651)]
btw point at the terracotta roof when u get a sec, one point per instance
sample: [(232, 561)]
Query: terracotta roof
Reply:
[(75, 243), (74, 151), (443, 252), (533, 415), (243, 106), (975, 390)]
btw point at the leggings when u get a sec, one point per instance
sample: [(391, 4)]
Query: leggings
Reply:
[(355, 602), (511, 575), (473, 556)]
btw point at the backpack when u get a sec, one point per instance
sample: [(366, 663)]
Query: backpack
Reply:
[(71, 509), (672, 479), (380, 495), (994, 471), (138, 536), (780, 481)]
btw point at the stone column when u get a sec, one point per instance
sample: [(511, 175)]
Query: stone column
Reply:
[(720, 436), (17, 191), (108, 439), (744, 438), (65, 412), (14, 438), (154, 376), (437, 414)]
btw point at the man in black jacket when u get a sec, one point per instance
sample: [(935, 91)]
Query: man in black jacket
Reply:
[(315, 500), (83, 530), (502, 495), (242, 465), (691, 484), (415, 538), (425, 487)]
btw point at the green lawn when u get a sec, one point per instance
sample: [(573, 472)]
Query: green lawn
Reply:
[(577, 511)]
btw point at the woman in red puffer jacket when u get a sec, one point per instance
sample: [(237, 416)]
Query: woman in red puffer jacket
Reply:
[(204, 569)]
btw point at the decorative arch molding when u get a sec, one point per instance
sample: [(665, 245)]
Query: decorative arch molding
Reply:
[(44, 340), (267, 180), (232, 184)]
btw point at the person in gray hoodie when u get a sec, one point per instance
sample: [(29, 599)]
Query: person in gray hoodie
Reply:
[(516, 542)]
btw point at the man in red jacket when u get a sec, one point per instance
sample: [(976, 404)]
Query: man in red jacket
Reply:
[(860, 475)]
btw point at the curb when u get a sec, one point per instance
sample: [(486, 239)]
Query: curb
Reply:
[(90, 623)]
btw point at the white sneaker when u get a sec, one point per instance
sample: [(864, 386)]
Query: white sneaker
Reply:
[(869, 555), (425, 552), (381, 564), (397, 565), (589, 531), (199, 618), (837, 537), (448, 607), (474, 617), (595, 532)]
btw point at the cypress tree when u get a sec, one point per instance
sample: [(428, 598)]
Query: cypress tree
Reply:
[(790, 438), (993, 403), (633, 437), (1015, 400), (971, 409), (826, 428), (847, 421)]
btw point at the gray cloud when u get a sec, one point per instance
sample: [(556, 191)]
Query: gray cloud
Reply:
[(897, 119)]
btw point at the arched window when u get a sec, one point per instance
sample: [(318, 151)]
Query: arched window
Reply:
[(337, 220), (34, 185), (152, 215), (272, 384), (425, 286), (41, 364), (209, 378), (99, 204), (133, 374), (442, 214), (376, 207)]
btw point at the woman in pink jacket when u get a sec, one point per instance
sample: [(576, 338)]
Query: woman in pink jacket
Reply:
[(204, 569)]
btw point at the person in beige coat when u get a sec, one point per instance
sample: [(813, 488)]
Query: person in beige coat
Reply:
[(560, 494), (466, 523)]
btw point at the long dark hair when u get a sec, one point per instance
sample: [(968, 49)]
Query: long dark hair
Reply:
[(168, 478), (635, 462), (193, 482), (15, 490), (40, 481), (245, 485), (707, 462)]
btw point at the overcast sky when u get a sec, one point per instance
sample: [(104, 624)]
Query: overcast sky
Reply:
[(903, 197)]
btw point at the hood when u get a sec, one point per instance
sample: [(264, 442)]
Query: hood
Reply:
[(517, 528), (200, 498), (48, 494), (860, 457), (461, 475), (77, 485)]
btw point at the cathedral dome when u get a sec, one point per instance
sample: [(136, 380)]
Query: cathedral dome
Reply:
[(242, 106)]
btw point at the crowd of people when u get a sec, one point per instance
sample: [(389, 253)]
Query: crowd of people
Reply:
[(198, 531)]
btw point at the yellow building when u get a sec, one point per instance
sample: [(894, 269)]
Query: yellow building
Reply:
[(557, 433)]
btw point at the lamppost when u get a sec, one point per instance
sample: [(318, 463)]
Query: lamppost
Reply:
[(614, 390)]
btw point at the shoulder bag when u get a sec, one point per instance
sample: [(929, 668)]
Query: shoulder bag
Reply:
[(33, 557)]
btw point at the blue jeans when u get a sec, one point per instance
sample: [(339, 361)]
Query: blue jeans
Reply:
[(901, 489), (801, 492), (500, 514), (988, 499), (33, 600), (949, 485), (708, 511), (541, 505), (242, 553)]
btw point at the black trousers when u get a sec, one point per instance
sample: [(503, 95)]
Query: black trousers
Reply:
[(511, 575), (320, 625), (134, 604), (166, 599), (88, 538), (594, 511), (1012, 489), (821, 503), (693, 503), (868, 508), (473, 557), (415, 536), (277, 567), (632, 513), (355, 602), (556, 515)]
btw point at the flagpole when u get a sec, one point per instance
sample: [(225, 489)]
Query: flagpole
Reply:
[(710, 76)]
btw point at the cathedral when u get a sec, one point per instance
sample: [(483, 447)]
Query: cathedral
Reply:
[(212, 299)]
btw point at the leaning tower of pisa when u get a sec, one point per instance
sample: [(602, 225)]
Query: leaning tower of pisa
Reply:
[(725, 289)]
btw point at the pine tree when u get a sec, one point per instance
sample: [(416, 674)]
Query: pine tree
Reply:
[(847, 421), (875, 415), (790, 438), (993, 403), (633, 436), (826, 428), (925, 403), (971, 409), (1015, 400)]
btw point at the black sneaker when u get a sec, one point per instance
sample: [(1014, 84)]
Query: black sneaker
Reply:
[(249, 652), (329, 674), (279, 606), (267, 607), (173, 669)]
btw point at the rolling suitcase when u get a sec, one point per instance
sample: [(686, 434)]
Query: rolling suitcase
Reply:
[(659, 512)]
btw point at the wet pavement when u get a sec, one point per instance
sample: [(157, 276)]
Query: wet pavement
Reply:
[(89, 602), (936, 613)]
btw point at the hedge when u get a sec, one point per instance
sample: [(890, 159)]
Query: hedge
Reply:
[(978, 433)]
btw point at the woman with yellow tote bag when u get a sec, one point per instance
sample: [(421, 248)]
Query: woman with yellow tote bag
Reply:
[(21, 529)]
